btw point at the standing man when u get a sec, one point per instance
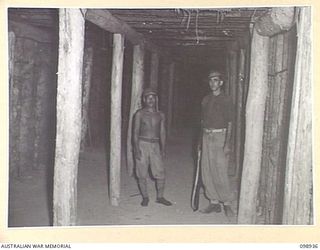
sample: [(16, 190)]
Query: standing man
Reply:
[(149, 139), (216, 118)]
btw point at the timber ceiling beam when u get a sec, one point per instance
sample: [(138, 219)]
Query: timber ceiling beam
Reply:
[(105, 20), (275, 21)]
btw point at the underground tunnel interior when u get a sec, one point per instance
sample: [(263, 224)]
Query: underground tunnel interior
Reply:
[(195, 40)]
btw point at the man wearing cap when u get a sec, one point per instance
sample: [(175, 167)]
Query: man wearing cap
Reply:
[(149, 140), (216, 121)]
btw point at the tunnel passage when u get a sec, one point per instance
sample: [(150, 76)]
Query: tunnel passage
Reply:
[(170, 49)]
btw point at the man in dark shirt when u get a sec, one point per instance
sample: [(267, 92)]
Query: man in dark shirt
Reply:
[(216, 120)]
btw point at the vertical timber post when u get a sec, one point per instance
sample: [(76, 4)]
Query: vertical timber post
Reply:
[(136, 92), (115, 128), (239, 123), (170, 97), (232, 55), (154, 70), (87, 72), (13, 143), (71, 43), (254, 128), (298, 208), (233, 73)]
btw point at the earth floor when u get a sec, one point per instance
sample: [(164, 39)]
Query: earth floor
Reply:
[(30, 199)]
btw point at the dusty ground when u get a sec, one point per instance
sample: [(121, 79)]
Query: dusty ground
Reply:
[(29, 202)]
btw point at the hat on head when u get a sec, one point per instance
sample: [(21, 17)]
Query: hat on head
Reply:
[(214, 73), (149, 91)]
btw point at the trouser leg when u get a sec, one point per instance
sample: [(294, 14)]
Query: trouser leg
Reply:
[(160, 187), (142, 182)]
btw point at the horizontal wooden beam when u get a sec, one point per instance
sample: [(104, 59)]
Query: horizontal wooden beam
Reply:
[(191, 32), (178, 19), (105, 20), (170, 13), (179, 28), (275, 21), (194, 38), (219, 44)]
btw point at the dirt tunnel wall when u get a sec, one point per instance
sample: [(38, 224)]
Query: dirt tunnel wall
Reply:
[(32, 98)]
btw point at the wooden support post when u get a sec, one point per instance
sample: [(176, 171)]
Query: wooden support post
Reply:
[(115, 128), (154, 70), (232, 55), (233, 74), (226, 84), (239, 106), (12, 43), (71, 42), (14, 154), (275, 131), (298, 208), (136, 92), (87, 72), (170, 97), (163, 86), (254, 129)]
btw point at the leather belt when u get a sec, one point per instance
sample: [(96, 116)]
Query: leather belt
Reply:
[(213, 130)]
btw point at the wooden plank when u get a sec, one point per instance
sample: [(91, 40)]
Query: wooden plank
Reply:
[(105, 20), (167, 25), (275, 137), (239, 111), (87, 73), (170, 98), (232, 54), (136, 92), (71, 42), (13, 95), (298, 208), (154, 70), (265, 163), (192, 45), (193, 38), (115, 128), (16, 102), (254, 129), (226, 84), (174, 13)]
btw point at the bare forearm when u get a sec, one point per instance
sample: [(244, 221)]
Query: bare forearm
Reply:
[(163, 134), (163, 144)]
